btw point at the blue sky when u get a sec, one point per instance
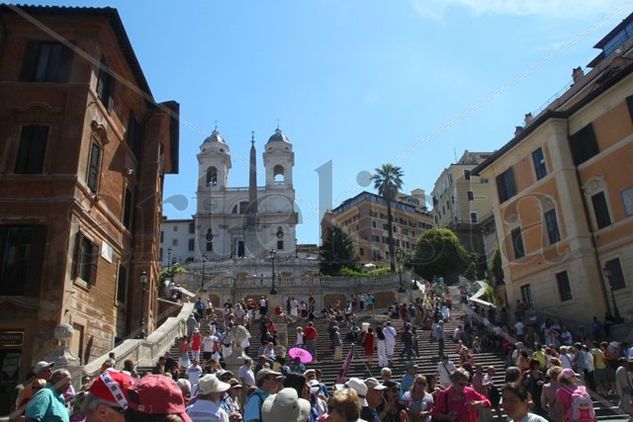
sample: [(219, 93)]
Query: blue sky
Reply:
[(359, 82)]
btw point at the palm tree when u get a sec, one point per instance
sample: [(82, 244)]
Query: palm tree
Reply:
[(388, 182)]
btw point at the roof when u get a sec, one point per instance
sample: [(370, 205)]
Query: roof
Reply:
[(603, 79), (614, 31), (279, 137), (364, 195), (111, 14)]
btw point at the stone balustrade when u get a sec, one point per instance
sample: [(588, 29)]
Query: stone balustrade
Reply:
[(145, 352)]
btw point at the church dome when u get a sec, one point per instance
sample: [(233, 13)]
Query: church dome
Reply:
[(278, 136), (214, 137)]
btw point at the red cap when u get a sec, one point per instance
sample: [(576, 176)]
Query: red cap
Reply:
[(112, 386), (157, 395)]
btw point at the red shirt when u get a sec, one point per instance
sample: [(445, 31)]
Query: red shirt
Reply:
[(446, 398), (309, 333)]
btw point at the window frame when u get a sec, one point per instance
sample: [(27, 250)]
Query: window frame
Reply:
[(611, 266), (24, 163), (56, 68), (553, 236), (94, 147), (85, 248), (600, 222), (565, 279), (583, 145), (506, 185), (539, 164), (517, 234), (105, 85)]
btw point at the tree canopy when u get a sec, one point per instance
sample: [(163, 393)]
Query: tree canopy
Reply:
[(438, 252), (496, 269), (337, 251)]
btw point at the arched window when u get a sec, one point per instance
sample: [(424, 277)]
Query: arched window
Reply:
[(240, 208), (212, 176), (278, 173), (280, 238)]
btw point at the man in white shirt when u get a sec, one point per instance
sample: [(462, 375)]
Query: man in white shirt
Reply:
[(207, 346), (245, 374), (444, 370), (208, 406), (390, 339), (519, 329), (193, 373)]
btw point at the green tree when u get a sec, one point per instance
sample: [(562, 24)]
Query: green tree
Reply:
[(496, 269), (388, 182), (438, 252), (337, 251)]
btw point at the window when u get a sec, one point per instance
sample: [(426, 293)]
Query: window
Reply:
[(473, 217), (133, 136), (127, 210), (483, 180), (21, 259), (175, 228), (240, 208), (191, 244), (583, 144), (614, 274), (467, 174), (627, 201), (539, 164), (629, 105), (160, 254), (94, 167), (280, 245), (373, 224), (601, 210), (526, 294), (209, 247), (212, 176), (174, 242), (362, 252), (564, 288), (551, 224), (105, 85), (86, 256), (46, 61), (506, 187), (517, 243), (471, 195), (31, 151), (162, 236), (121, 288), (278, 174), (192, 228)]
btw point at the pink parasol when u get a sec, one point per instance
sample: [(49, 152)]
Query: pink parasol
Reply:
[(302, 354)]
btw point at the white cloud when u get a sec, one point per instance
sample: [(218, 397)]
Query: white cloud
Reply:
[(557, 9)]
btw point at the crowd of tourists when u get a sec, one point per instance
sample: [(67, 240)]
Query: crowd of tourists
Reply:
[(551, 371)]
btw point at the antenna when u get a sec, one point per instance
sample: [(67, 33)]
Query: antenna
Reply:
[(216, 125), (253, 137), (455, 154), (277, 123)]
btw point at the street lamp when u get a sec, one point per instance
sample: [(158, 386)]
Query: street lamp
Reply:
[(143, 280), (169, 262), (204, 261), (616, 312), (273, 254), (399, 256)]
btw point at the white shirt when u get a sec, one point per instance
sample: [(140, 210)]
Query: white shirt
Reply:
[(390, 333), (193, 373), (445, 371), (207, 343), (207, 411), (518, 327), (246, 375)]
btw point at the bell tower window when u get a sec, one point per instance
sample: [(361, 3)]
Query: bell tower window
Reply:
[(278, 173), (212, 176)]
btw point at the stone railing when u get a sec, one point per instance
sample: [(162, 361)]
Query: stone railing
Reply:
[(214, 281), (145, 352)]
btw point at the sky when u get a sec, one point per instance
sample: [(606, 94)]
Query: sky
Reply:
[(358, 82)]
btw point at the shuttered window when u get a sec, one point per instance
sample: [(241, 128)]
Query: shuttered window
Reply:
[(30, 159), (46, 61)]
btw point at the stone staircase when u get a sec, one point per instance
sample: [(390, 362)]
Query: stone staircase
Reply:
[(427, 361)]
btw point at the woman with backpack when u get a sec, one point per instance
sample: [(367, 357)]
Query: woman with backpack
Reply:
[(573, 403)]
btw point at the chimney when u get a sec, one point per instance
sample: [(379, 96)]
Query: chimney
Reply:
[(517, 130), (528, 119), (577, 73)]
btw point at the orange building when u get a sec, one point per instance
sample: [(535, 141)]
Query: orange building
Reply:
[(364, 218), (563, 207), (84, 152)]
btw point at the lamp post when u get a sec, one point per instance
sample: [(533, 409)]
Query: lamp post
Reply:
[(399, 256), (273, 254), (169, 262), (204, 261), (143, 280), (616, 311)]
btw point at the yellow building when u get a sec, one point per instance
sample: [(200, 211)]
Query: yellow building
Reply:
[(564, 193), (461, 201), (364, 218)]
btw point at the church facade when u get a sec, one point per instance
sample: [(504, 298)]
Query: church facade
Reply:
[(251, 221)]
